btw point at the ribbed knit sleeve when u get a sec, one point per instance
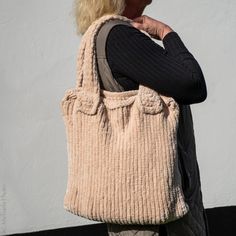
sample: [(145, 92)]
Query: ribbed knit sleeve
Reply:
[(176, 48), (173, 71), (173, 44)]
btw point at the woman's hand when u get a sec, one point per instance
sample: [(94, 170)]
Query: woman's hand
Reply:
[(156, 29)]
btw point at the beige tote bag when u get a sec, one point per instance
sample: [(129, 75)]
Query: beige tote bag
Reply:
[(122, 148)]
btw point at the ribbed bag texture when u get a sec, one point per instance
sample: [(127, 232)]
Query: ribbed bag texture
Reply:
[(122, 148)]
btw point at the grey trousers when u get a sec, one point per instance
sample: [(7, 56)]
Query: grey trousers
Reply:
[(138, 230), (190, 224)]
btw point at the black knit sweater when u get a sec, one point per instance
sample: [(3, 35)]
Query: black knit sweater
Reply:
[(173, 71)]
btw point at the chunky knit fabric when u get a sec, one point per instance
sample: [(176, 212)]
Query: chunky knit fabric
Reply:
[(122, 148)]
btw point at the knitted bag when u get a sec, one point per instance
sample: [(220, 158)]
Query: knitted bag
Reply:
[(122, 147)]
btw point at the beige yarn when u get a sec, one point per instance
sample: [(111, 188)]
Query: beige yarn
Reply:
[(122, 148)]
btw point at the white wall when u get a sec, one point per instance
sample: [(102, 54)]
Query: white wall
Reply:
[(37, 63)]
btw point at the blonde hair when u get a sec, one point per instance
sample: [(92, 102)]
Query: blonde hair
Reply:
[(86, 11)]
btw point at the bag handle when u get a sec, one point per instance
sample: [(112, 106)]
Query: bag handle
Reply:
[(107, 80), (87, 76)]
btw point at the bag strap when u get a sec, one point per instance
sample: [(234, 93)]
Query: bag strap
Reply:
[(106, 78)]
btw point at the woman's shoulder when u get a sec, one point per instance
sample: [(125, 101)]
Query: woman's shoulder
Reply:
[(127, 39), (121, 32)]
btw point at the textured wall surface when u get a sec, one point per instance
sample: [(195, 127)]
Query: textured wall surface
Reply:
[(38, 51)]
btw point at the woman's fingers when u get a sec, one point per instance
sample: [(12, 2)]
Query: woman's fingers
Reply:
[(138, 19), (153, 27), (137, 25)]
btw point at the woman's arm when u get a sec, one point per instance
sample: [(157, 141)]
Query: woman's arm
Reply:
[(172, 71)]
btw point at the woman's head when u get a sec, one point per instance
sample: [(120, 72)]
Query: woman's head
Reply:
[(86, 11)]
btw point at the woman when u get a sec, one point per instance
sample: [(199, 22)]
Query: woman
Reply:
[(172, 71)]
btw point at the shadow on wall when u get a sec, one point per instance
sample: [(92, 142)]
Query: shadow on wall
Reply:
[(221, 222)]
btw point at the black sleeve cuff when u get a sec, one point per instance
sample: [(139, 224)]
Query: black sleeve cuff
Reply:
[(173, 43)]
